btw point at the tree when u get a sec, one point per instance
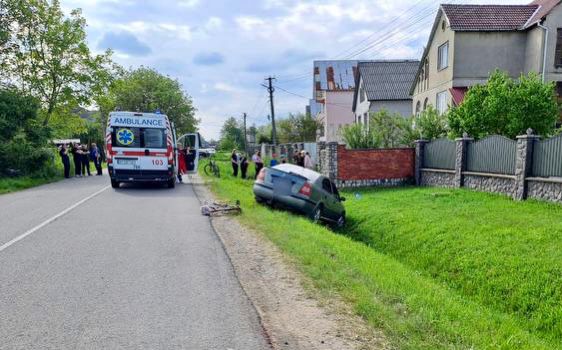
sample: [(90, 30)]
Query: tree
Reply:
[(232, 135), (506, 107), (431, 125), (146, 90), (46, 54), (298, 127), (389, 130)]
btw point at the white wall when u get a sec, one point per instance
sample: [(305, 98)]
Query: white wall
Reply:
[(338, 112)]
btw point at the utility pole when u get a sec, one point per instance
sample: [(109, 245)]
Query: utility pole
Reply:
[(271, 89), (245, 136)]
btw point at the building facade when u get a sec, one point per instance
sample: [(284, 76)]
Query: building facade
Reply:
[(383, 85), (468, 42)]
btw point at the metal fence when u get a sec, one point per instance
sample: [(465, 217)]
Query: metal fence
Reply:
[(493, 154), (440, 154), (547, 157)]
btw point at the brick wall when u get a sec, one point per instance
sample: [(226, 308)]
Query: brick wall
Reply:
[(386, 165)]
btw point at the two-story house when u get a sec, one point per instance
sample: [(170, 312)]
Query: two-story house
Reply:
[(468, 42), (333, 89), (383, 85)]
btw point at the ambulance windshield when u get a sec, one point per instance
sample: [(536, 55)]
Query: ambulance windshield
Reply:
[(138, 137)]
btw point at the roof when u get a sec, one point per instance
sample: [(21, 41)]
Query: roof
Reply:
[(457, 93), (335, 75), (311, 175), (388, 80), (488, 17), (545, 7)]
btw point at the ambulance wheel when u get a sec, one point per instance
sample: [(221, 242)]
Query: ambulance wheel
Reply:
[(171, 183), (114, 184)]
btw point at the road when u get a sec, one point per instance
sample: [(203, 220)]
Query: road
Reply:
[(83, 266)]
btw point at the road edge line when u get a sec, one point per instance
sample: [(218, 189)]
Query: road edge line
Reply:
[(50, 220)]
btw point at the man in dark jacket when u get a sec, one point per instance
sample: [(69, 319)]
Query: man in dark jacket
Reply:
[(76, 158), (63, 152), (95, 156)]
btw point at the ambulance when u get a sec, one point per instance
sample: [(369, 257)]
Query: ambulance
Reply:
[(142, 147)]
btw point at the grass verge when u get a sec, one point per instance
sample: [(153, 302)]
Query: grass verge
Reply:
[(21, 183), (414, 308)]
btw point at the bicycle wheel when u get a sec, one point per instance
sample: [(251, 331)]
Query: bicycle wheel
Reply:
[(217, 171), (208, 169)]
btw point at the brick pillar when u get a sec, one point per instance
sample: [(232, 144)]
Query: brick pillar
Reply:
[(420, 154), (460, 162), (524, 163), (332, 159)]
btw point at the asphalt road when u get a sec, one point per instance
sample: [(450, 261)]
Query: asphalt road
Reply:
[(134, 268)]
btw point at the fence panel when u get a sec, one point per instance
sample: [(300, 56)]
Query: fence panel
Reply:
[(547, 157), (440, 154), (493, 154)]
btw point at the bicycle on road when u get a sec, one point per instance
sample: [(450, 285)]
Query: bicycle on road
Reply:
[(212, 168)]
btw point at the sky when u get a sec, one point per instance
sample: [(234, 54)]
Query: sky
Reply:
[(221, 50)]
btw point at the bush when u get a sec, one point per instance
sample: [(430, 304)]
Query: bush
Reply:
[(506, 107), (431, 125), (19, 156), (385, 130)]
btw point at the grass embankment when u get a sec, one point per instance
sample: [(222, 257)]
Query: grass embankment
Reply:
[(21, 183), (432, 268)]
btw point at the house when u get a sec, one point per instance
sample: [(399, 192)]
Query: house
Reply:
[(468, 42), (333, 89), (383, 85)]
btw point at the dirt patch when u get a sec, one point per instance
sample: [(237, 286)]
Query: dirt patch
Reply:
[(294, 317)]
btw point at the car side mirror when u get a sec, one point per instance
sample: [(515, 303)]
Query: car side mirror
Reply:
[(342, 199)]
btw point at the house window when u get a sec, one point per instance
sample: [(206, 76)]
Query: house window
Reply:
[(443, 56), (558, 51), (418, 107), (361, 95), (441, 102), (425, 103), (359, 119)]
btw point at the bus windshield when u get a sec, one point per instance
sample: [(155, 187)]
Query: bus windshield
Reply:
[(138, 137)]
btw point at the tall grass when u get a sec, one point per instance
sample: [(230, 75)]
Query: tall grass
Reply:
[(412, 303)]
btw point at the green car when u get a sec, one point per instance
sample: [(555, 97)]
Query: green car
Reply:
[(301, 190)]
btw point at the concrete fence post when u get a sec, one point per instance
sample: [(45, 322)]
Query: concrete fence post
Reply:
[(460, 161), (418, 164), (320, 146), (524, 163)]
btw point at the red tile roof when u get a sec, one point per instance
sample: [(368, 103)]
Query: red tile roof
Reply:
[(457, 93), (488, 17)]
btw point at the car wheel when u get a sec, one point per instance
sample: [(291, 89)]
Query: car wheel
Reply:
[(341, 221), (317, 214), (114, 184), (259, 200)]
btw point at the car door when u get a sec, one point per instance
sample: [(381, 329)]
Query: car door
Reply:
[(337, 206), (327, 198)]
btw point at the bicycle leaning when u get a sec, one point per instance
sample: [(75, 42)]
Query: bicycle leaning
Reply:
[(212, 168)]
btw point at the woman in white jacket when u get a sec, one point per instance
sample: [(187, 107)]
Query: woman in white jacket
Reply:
[(308, 162)]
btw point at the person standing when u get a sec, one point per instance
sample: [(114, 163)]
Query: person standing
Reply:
[(244, 166), (65, 160), (95, 156), (308, 162), (300, 159), (85, 161), (256, 158), (76, 158), (234, 162)]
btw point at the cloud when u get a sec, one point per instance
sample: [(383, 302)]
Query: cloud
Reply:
[(188, 3), (224, 87), (208, 58), (213, 23), (124, 42)]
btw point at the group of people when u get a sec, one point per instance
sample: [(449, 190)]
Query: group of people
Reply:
[(81, 156), (303, 159), (239, 161)]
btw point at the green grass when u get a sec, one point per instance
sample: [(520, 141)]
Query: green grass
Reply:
[(434, 269), (21, 183)]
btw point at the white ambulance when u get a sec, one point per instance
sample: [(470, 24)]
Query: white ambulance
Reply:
[(141, 147)]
